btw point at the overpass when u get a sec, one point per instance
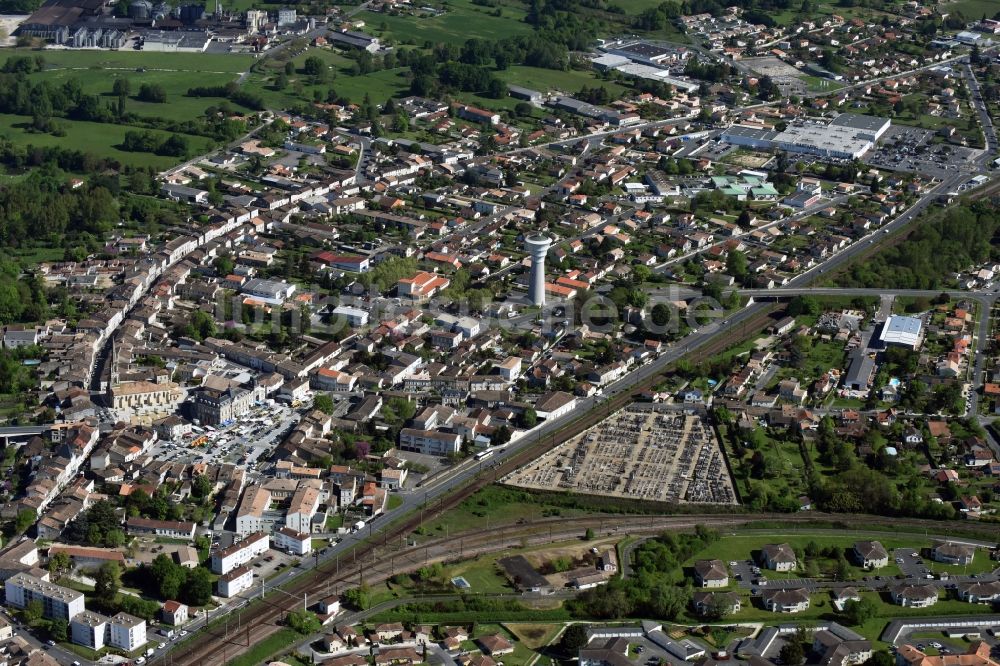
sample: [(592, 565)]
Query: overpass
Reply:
[(8, 433), (789, 292)]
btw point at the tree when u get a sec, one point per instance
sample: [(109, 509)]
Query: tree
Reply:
[(744, 220), (736, 264), (324, 403), (107, 581), (574, 638), (589, 534), (881, 658), (152, 92), (60, 563), (529, 418), (33, 612), (304, 622), (197, 590), (792, 652), (114, 538), (122, 87), (313, 66), (223, 264), (169, 577), (859, 612), (25, 519), (358, 597), (202, 486), (58, 630)]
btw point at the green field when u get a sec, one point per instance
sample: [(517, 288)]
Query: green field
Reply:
[(96, 138), (266, 648), (545, 80), (380, 86), (494, 506), (973, 9), (95, 71), (463, 20), (176, 84), (187, 62)]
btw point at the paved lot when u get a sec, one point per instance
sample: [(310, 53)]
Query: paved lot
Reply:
[(904, 148), (910, 563)]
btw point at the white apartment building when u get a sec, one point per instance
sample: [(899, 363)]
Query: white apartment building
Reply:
[(296, 543), (227, 559), (250, 515), (58, 603), (304, 505), (89, 629), (127, 632), (235, 581)]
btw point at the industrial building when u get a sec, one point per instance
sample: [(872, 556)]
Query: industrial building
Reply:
[(901, 331), (848, 136)]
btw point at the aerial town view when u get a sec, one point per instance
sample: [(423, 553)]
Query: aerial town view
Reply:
[(500, 332)]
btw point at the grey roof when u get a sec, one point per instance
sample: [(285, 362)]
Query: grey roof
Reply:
[(859, 121), (757, 133)]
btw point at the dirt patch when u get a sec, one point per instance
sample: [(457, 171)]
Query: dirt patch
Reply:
[(534, 636), (573, 551)]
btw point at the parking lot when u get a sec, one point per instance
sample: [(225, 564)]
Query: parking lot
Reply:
[(246, 441), (910, 563), (905, 148)]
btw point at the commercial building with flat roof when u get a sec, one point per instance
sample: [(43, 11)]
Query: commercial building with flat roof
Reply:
[(849, 136), (901, 331), (871, 127)]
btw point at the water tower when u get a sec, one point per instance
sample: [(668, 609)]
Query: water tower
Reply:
[(537, 246)]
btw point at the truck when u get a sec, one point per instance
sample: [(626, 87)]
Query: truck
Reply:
[(360, 525)]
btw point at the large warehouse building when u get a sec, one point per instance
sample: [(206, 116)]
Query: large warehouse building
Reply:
[(901, 331), (848, 136)]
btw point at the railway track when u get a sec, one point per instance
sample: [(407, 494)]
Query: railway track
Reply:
[(214, 647), (211, 647), (217, 644)]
